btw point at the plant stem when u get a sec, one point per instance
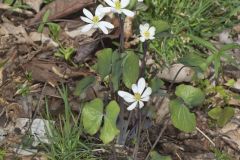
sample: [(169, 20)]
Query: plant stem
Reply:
[(139, 129), (101, 39), (121, 21), (143, 66)]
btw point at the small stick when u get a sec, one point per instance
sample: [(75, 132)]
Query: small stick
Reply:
[(199, 130)]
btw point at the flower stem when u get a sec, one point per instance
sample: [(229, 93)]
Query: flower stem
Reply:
[(121, 21), (139, 129), (143, 66)]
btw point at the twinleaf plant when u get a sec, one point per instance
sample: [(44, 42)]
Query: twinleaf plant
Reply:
[(93, 116)]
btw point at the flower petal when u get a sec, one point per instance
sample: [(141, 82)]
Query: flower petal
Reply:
[(105, 10), (145, 99), (87, 27), (106, 24), (141, 104), (134, 88), (103, 28), (126, 96), (141, 27), (142, 39), (152, 38), (110, 3), (141, 85), (132, 106), (147, 92), (124, 3), (86, 19), (152, 31), (128, 12), (87, 13), (146, 27)]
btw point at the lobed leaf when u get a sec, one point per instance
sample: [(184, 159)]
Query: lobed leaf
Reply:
[(109, 129), (92, 114)]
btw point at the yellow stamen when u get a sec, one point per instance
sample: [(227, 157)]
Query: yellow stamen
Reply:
[(118, 5), (146, 34), (95, 19), (137, 96)]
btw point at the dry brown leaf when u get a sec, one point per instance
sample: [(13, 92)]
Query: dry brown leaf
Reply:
[(61, 8), (231, 130), (49, 71), (35, 4), (128, 33), (13, 111), (85, 49)]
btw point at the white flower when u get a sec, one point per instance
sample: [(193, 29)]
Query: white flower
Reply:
[(95, 21), (118, 6), (146, 32), (140, 94)]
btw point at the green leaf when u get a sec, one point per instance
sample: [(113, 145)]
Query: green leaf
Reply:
[(155, 84), (92, 114), (83, 84), (130, 69), (181, 117), (45, 16), (156, 156), (44, 21), (192, 96), (54, 29), (215, 113), (203, 42), (221, 115), (41, 27), (160, 25), (132, 4), (194, 60), (230, 82), (116, 70), (225, 116), (104, 61), (228, 47), (110, 130)]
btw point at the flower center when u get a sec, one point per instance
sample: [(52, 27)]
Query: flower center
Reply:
[(95, 19), (137, 96), (146, 34), (118, 5)]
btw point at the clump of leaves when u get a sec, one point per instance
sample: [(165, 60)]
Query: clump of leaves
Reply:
[(65, 53)]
